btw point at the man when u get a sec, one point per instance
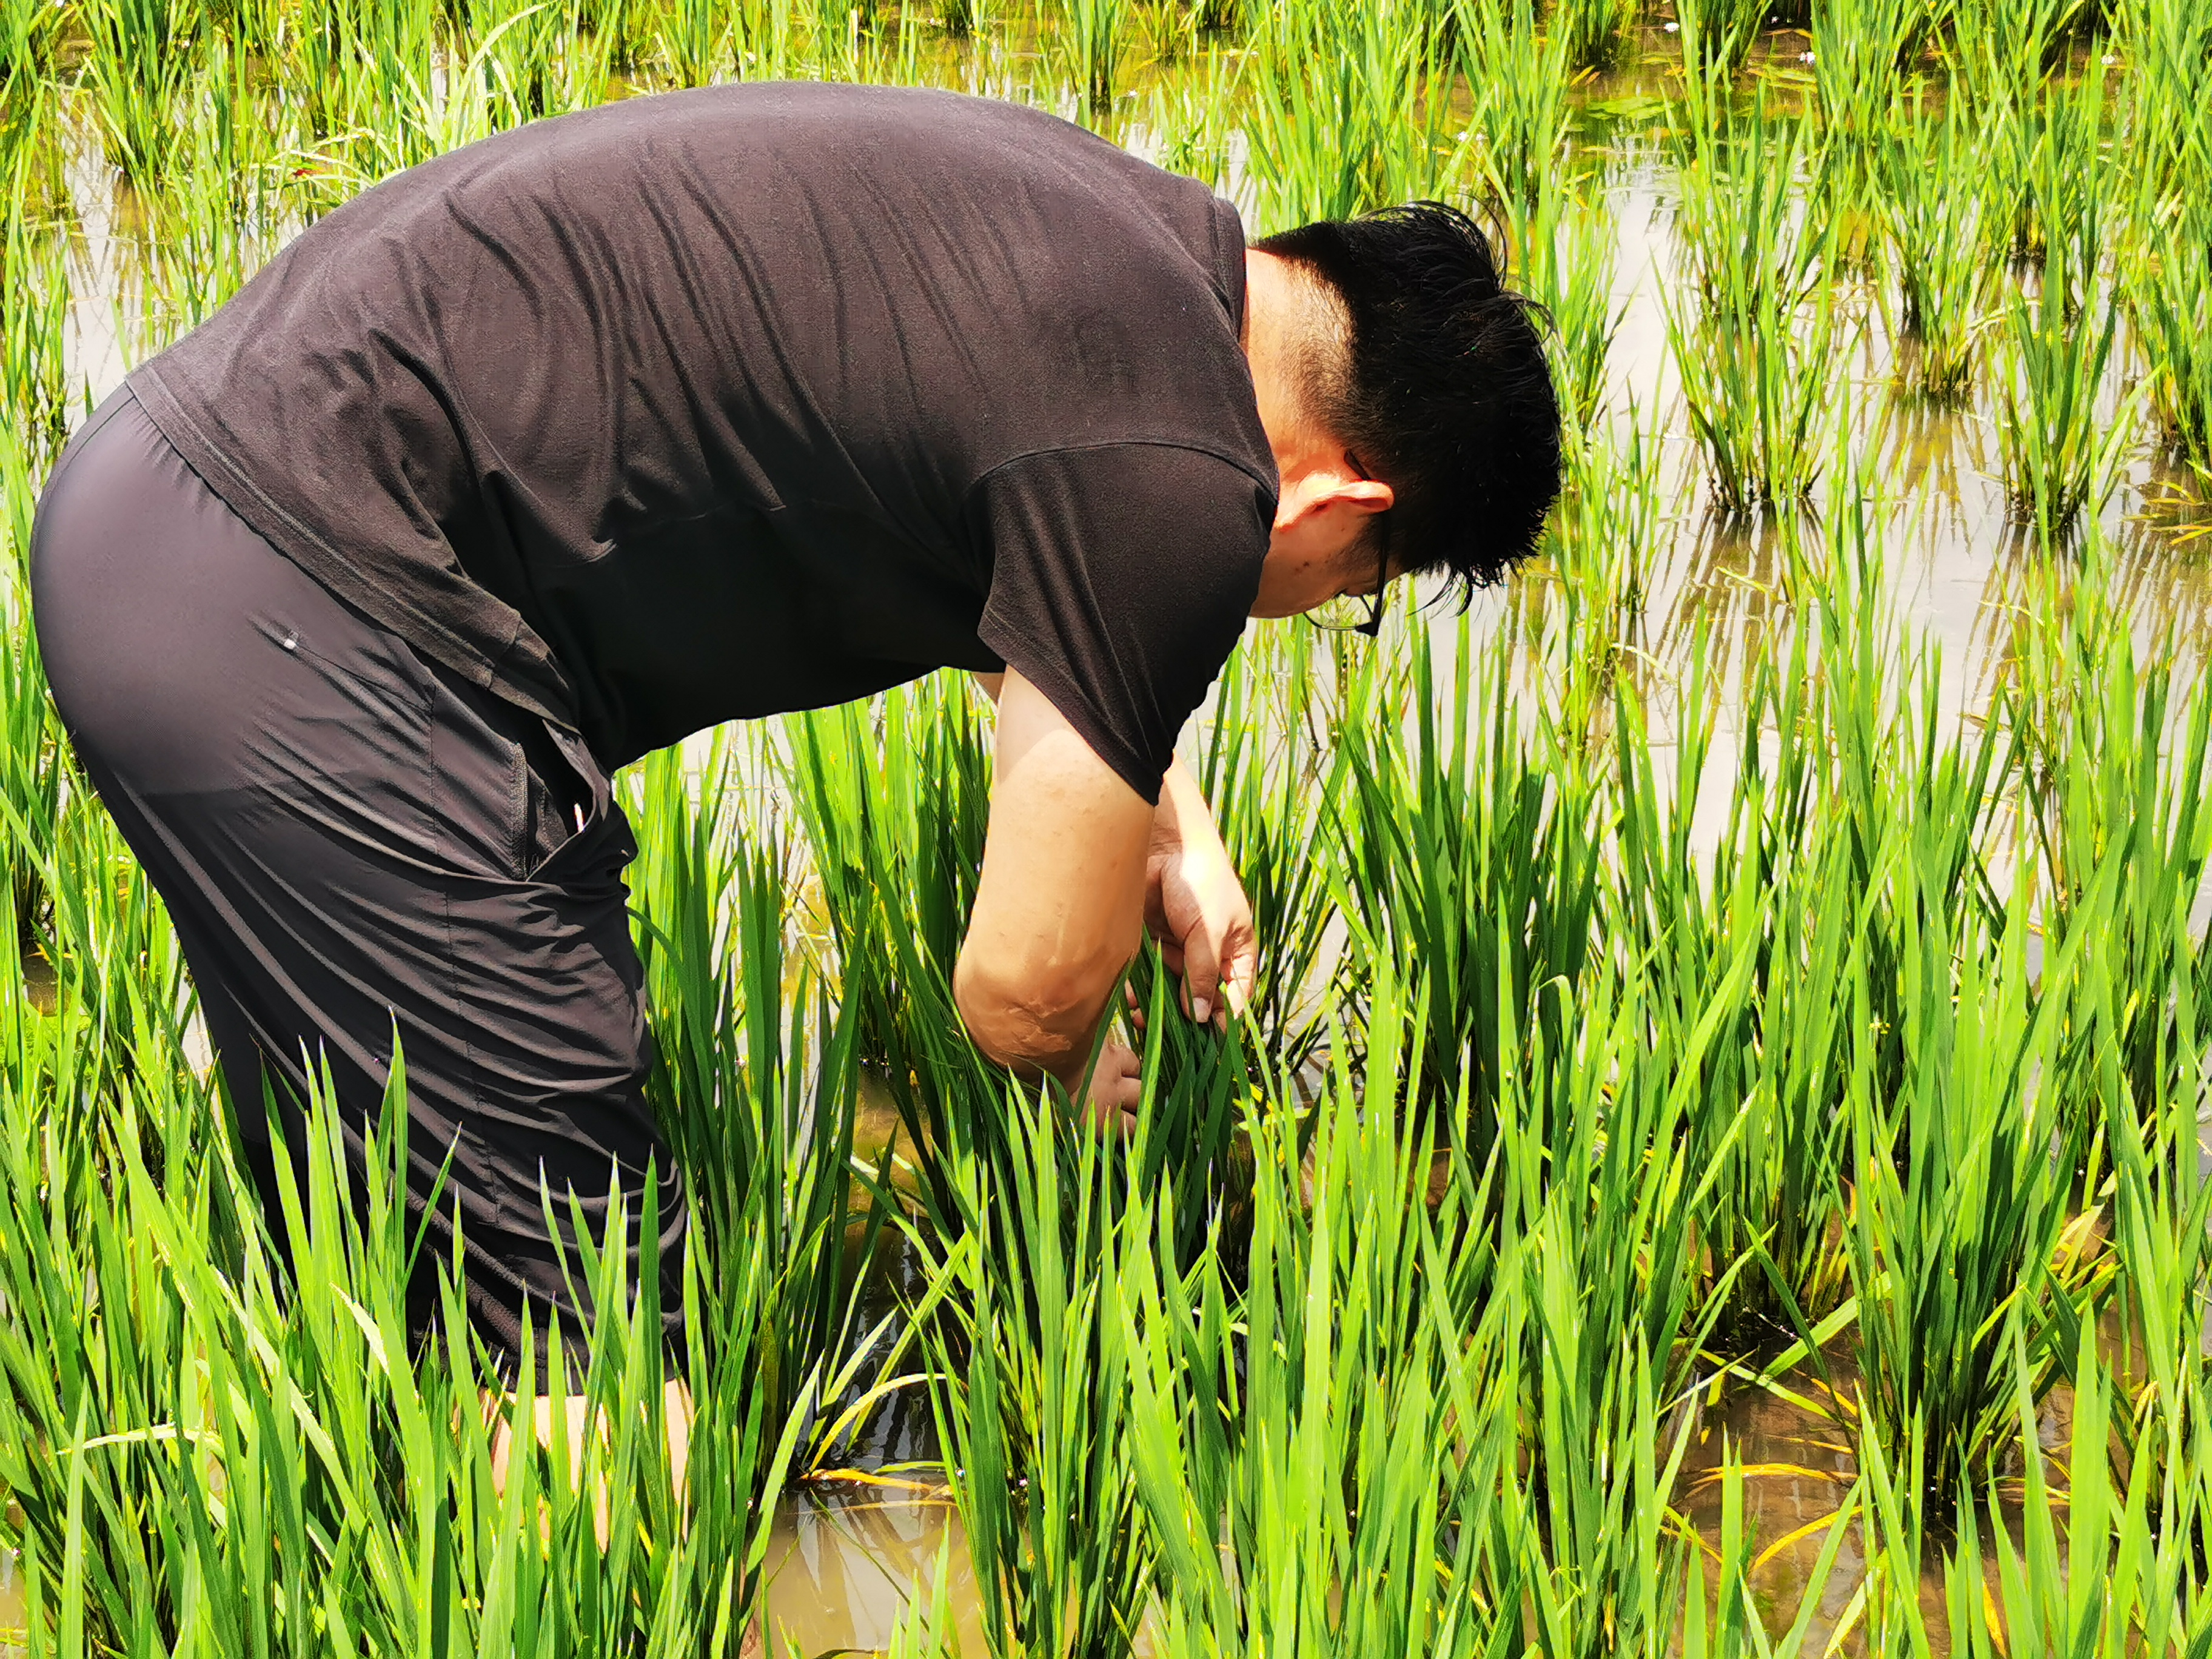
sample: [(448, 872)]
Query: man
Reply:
[(557, 448)]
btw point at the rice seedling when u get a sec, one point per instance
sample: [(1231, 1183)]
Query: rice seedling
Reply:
[(1599, 34), (1030, 1386), (1336, 124), (31, 763), (1191, 117), (2061, 452), (29, 30), (2167, 288), (1606, 1197), (1321, 1457), (2169, 44), (142, 59), (1757, 360), (1273, 812), (1934, 228), (1519, 73), (1716, 37), (1960, 1201), (2114, 767), (34, 290), (2046, 136), (1094, 40), (1860, 51), (1606, 534), (696, 39), (894, 826), (1462, 852), (1566, 264), (755, 1077), (543, 62), (1165, 29)]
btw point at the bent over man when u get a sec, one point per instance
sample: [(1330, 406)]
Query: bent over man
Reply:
[(706, 405)]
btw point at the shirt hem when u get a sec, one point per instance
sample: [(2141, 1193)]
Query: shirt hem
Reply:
[(332, 570)]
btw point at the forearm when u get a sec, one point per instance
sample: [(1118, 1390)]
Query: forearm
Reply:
[(1183, 817)]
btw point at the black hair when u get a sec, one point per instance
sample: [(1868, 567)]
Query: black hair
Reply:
[(1447, 397)]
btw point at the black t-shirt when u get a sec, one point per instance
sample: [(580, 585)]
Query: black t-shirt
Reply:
[(759, 397)]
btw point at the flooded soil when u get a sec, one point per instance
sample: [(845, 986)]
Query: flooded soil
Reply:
[(843, 1562), (40, 983)]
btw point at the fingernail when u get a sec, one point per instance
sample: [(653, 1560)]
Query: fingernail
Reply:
[(1200, 1009)]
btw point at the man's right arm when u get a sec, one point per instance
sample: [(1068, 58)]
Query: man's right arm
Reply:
[(1060, 904)]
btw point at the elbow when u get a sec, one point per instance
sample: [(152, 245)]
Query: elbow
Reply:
[(1024, 1020)]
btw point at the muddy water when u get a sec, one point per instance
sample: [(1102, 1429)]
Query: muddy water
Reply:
[(842, 1564), (1797, 1467)]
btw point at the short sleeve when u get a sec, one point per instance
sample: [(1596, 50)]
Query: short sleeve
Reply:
[(1121, 579)]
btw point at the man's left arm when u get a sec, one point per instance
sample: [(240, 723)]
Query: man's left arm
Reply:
[(1195, 905)]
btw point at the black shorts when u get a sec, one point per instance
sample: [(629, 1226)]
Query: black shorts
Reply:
[(350, 838)]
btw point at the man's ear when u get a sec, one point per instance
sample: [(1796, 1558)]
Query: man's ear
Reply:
[(1324, 490), (1365, 494)]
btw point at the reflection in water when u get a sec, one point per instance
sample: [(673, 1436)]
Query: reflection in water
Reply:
[(842, 1563)]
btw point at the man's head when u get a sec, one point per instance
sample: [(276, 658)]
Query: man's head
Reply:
[(1405, 395)]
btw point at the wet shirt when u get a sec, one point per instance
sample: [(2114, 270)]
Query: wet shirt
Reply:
[(722, 403)]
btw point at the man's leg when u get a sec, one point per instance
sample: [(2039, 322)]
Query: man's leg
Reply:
[(346, 838)]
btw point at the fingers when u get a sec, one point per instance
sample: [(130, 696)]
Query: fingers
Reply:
[(1133, 1007), (1201, 973), (1240, 971), (1117, 1088)]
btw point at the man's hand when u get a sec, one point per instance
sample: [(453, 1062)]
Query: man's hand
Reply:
[(1195, 905), (1117, 1085)]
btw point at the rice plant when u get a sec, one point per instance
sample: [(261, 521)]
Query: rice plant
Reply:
[(1336, 124), (1319, 1457), (142, 58), (1566, 264), (1598, 34), (2061, 450), (2168, 288), (31, 755), (1934, 228), (1960, 1204), (1861, 49), (1094, 38), (696, 40), (29, 31), (1465, 853), (1757, 356), (1716, 37), (1520, 73)]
